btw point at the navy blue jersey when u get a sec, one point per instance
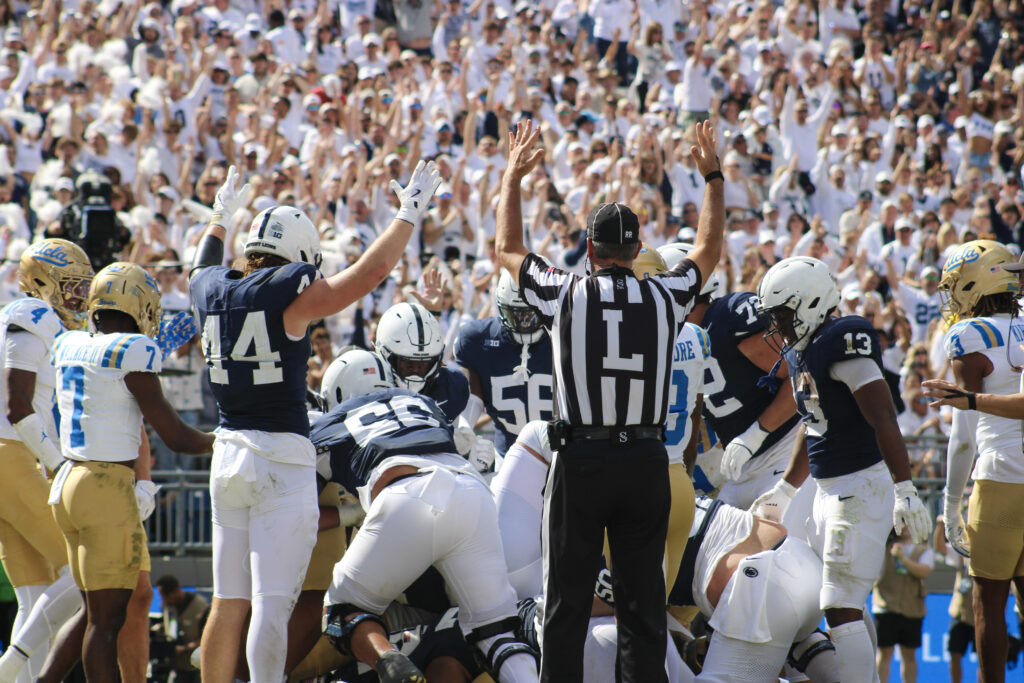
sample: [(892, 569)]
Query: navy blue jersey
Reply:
[(362, 432), (485, 347), (839, 439), (450, 391), (732, 399), (257, 373)]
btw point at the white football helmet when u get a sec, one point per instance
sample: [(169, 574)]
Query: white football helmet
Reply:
[(803, 285), (517, 317), (354, 373), (284, 231), (675, 252), (409, 340)]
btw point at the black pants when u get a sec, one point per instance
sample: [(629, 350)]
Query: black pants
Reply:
[(593, 486)]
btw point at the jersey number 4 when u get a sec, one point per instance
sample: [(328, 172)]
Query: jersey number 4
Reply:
[(252, 335)]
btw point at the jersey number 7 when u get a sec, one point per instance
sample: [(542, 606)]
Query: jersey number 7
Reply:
[(253, 334)]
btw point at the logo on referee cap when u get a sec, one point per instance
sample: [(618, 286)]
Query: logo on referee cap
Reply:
[(613, 223)]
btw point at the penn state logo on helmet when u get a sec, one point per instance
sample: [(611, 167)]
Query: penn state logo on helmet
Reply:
[(58, 272), (284, 231), (409, 339)]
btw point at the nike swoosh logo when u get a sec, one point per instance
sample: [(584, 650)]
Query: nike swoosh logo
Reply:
[(441, 403), (842, 498), (416, 193), (774, 472)]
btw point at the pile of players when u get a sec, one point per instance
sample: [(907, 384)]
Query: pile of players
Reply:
[(764, 561)]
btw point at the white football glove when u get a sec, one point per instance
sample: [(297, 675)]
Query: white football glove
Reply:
[(350, 514), (482, 455), (956, 532), (415, 197), (465, 438), (145, 496), (911, 511), (229, 200), (741, 449), (773, 504)]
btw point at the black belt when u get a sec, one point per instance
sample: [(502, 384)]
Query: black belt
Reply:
[(620, 436)]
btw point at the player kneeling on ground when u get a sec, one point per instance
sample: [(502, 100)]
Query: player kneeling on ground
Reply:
[(426, 506)]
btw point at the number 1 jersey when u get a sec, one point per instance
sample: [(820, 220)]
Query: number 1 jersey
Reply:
[(258, 373)]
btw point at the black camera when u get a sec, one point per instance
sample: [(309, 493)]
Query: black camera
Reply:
[(91, 222)]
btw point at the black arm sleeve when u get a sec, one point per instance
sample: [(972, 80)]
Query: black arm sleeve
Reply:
[(209, 253)]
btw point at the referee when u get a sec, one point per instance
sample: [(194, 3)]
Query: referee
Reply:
[(612, 341)]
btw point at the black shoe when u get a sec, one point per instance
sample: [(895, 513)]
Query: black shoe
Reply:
[(394, 667)]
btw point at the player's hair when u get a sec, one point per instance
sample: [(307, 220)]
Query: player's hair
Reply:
[(995, 304), (257, 261), (608, 251)]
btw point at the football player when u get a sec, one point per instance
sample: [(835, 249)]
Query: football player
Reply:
[(980, 290), (426, 505), (256, 345), (759, 590), (755, 423), (409, 340), (689, 355), (55, 275), (106, 384), (849, 441), (508, 359)]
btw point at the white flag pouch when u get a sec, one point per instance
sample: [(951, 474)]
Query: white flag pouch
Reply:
[(57, 487)]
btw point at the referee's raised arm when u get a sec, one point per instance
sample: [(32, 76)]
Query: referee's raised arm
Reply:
[(711, 226), (522, 158)]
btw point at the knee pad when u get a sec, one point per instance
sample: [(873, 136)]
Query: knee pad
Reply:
[(498, 643), (339, 631), (801, 654)]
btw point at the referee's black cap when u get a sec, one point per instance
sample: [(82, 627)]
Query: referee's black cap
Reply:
[(613, 223)]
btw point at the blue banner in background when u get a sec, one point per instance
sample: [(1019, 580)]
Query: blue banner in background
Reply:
[(932, 657)]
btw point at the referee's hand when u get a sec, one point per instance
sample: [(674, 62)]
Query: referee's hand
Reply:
[(522, 157), (704, 152)]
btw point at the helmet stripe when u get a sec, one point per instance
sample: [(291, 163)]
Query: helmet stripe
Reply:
[(380, 366), (266, 219), (419, 327)]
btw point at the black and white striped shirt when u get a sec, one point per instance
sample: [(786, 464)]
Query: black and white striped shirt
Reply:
[(612, 338)]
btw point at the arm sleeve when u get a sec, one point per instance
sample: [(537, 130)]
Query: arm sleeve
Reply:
[(960, 452), (24, 351), (855, 372)]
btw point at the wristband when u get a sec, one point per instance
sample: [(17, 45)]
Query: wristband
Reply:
[(714, 175), (972, 400)]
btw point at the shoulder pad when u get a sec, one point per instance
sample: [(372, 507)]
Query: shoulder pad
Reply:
[(133, 353), (296, 276), (35, 316), (972, 336), (702, 337), (742, 317)]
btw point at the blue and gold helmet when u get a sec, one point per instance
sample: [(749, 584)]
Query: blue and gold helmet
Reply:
[(127, 288), (57, 272)]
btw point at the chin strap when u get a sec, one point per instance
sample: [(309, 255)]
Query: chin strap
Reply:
[(770, 381), (521, 370)]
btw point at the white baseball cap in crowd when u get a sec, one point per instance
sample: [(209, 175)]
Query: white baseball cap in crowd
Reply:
[(852, 292), (838, 129), (64, 184), (883, 177), (372, 39), (765, 237), (762, 115), (925, 121), (904, 224), (168, 192)]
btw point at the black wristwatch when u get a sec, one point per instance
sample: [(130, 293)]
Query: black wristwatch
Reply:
[(714, 175)]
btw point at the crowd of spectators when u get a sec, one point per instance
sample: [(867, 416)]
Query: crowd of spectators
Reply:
[(876, 137)]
